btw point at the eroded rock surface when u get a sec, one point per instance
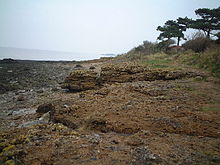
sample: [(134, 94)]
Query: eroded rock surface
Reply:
[(81, 80)]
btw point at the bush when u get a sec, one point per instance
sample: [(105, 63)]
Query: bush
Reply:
[(146, 48), (199, 44), (139, 48), (150, 47)]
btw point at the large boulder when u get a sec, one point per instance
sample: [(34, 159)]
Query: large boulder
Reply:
[(80, 80)]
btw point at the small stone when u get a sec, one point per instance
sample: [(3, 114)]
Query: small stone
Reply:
[(78, 66), (21, 98), (91, 67), (56, 89), (10, 113), (65, 106), (21, 91), (115, 142), (40, 91), (152, 157), (198, 78), (44, 108)]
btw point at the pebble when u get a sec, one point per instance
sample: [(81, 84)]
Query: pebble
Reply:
[(65, 106), (21, 91), (20, 98), (198, 78), (44, 108)]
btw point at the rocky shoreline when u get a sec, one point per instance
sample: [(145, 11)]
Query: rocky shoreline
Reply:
[(107, 112)]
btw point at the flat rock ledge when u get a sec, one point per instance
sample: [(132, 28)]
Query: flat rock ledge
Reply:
[(81, 80)]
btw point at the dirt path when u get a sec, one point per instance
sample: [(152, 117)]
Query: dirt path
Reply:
[(169, 117)]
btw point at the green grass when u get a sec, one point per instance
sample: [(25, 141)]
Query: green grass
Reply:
[(158, 63), (159, 60), (208, 60)]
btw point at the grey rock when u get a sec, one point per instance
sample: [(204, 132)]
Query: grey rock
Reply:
[(32, 123), (22, 112)]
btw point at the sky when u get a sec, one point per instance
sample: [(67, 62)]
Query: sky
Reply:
[(89, 26)]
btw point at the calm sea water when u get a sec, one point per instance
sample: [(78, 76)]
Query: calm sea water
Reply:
[(32, 54)]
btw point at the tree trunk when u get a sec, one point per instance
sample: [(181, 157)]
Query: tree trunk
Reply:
[(178, 41), (208, 34)]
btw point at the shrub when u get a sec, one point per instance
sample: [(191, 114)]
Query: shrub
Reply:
[(139, 48), (199, 44), (146, 48)]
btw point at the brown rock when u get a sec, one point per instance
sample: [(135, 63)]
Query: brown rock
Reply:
[(65, 121), (81, 80), (97, 124), (134, 141), (125, 72)]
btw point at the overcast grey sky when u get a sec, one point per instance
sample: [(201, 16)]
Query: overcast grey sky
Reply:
[(92, 26)]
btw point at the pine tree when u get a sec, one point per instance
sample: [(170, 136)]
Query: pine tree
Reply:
[(171, 29), (209, 21)]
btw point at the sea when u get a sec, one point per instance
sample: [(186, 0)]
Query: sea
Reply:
[(47, 55)]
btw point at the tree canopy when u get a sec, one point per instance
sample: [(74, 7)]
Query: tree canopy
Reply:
[(208, 22), (171, 29)]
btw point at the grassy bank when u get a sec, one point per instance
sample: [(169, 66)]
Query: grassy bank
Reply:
[(208, 60)]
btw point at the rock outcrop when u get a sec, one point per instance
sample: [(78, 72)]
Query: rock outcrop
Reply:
[(81, 80), (133, 72)]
